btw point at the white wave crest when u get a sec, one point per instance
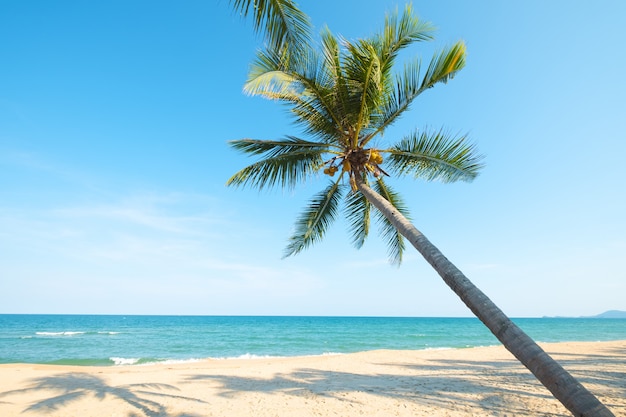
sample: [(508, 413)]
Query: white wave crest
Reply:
[(252, 356), (330, 354), (124, 361), (58, 333)]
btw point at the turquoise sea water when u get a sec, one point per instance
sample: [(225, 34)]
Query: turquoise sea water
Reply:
[(116, 340)]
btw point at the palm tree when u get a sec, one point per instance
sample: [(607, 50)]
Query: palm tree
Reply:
[(344, 96)]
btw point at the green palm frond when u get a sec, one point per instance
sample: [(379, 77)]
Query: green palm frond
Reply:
[(269, 67), (363, 68), (338, 83), (409, 84), (308, 88), (268, 78), (321, 110), (398, 99), (285, 162), (316, 218), (273, 148), (283, 23), (399, 32), (357, 211), (318, 112), (435, 156), (389, 233), (331, 53), (444, 65)]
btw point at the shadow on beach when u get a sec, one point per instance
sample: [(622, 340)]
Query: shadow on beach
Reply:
[(72, 387), (501, 387), (435, 389)]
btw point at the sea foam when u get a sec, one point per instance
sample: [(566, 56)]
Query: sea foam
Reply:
[(124, 361)]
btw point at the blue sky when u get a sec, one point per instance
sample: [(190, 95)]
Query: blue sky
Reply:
[(114, 118)]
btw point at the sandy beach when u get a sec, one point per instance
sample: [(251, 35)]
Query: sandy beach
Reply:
[(465, 382)]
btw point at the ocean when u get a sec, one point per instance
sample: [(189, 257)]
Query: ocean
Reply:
[(134, 340)]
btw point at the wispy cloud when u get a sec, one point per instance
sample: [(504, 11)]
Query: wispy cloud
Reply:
[(165, 246), (132, 227), (172, 213)]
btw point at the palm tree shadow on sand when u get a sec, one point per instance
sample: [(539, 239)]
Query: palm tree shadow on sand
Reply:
[(75, 386), (423, 391), (502, 387)]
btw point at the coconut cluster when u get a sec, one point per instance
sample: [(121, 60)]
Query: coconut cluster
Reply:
[(331, 170), (357, 161)]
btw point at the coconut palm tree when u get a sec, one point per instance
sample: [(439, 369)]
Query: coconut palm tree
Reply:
[(344, 96)]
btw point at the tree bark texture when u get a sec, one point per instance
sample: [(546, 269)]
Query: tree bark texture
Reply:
[(563, 386)]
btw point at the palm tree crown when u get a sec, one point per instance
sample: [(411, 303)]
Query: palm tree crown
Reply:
[(344, 95)]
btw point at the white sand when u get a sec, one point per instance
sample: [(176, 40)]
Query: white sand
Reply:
[(465, 382)]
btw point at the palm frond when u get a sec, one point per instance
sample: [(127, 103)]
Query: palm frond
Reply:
[(331, 53), (268, 78), (399, 32), (398, 99), (318, 111), (444, 65), (435, 156), (283, 23), (409, 85), (323, 109), (357, 211), (306, 87), (285, 162), (316, 218), (389, 233), (337, 81), (363, 69)]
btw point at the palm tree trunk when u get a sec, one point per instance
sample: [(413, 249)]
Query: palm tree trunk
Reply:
[(565, 388)]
